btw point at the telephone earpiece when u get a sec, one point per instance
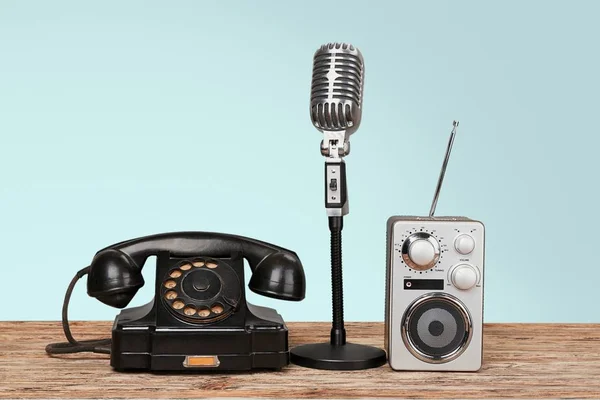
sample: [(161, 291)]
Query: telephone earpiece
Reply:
[(114, 278), (279, 275), (116, 272)]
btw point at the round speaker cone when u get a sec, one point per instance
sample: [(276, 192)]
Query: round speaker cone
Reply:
[(436, 328)]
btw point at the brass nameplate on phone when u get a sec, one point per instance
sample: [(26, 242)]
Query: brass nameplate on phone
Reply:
[(201, 361)]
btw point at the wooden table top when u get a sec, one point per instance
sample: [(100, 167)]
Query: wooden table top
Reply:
[(520, 360)]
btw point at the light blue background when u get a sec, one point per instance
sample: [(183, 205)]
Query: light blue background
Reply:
[(122, 119)]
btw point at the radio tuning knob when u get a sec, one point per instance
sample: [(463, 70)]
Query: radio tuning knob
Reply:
[(464, 276), (420, 251)]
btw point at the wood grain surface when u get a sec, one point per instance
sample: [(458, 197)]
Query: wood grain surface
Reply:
[(520, 360)]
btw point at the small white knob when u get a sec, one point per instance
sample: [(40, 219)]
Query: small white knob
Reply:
[(464, 244), (464, 276), (422, 252)]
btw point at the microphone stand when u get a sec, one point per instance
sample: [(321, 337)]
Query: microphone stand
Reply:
[(337, 354)]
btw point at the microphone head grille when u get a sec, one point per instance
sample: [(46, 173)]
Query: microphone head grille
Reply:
[(337, 88)]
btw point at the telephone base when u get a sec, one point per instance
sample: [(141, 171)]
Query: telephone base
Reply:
[(260, 343)]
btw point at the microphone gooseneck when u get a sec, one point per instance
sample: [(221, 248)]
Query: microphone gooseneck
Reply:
[(338, 332)]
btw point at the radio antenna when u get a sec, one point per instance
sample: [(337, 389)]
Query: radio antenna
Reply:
[(443, 171)]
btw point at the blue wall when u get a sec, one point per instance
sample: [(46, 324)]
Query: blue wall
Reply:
[(122, 119)]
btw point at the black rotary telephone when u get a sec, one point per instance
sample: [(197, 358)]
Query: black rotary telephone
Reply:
[(199, 318)]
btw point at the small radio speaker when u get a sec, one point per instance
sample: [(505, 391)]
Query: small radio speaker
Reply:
[(436, 327)]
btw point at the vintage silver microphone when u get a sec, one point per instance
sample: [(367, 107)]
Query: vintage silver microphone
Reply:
[(336, 94), (336, 110)]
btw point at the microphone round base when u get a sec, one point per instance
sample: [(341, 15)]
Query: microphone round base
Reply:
[(349, 356)]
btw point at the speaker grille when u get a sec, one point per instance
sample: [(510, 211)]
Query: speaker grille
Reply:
[(436, 328)]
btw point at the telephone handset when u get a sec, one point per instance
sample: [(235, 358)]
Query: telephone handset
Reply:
[(116, 271), (199, 317)]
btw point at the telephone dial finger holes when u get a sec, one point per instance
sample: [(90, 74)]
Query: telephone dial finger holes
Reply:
[(198, 264), (175, 273), (211, 265), (189, 310), (178, 304), (185, 267), (170, 284), (204, 312), (171, 295), (217, 308)]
